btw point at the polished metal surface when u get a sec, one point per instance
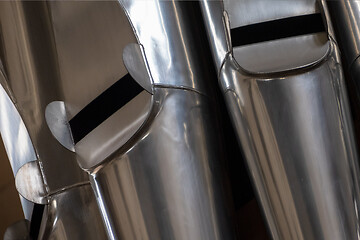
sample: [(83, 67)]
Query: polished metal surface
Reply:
[(14, 133), (27, 207), (114, 132), (164, 182), (29, 60), (30, 183), (56, 119), (90, 37), (72, 214), (345, 16), (93, 50), (162, 28), (166, 186), (46, 172), (282, 55), (217, 31), (295, 130), (135, 63), (16, 139), (296, 136), (245, 12)]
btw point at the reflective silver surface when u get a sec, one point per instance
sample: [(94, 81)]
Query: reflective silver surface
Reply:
[(166, 186), (135, 63), (95, 42), (27, 207), (345, 15), (16, 139), (296, 136), (56, 119), (114, 132), (164, 183), (72, 214), (282, 55), (14, 133), (217, 30), (30, 80), (295, 130), (30, 184), (90, 37), (162, 28), (245, 12), (29, 59)]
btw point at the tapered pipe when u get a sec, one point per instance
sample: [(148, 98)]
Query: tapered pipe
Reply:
[(345, 16), (284, 87), (46, 173), (165, 183)]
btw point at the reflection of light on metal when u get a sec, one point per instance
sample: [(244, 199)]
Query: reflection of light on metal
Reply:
[(183, 43), (165, 34), (152, 30), (353, 21), (293, 129), (14, 133), (103, 210), (221, 52), (56, 119), (29, 183), (36, 76)]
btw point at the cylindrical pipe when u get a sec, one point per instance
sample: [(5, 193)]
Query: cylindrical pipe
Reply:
[(290, 109), (46, 172), (165, 183)]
